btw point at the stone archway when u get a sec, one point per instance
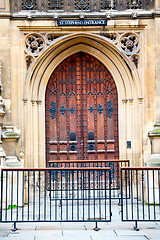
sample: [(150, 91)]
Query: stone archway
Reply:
[(81, 111), (123, 72)]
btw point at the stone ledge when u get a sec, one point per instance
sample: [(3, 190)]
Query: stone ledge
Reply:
[(12, 161), (94, 15)]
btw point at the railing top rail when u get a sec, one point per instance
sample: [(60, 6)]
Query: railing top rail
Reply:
[(53, 169), (140, 168), (88, 161)]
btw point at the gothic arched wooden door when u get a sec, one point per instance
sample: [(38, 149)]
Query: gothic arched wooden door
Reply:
[(81, 111)]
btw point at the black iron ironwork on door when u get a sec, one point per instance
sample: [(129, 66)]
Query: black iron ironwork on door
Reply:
[(81, 111)]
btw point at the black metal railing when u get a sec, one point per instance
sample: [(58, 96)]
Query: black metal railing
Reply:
[(56, 195), (142, 185), (77, 5), (114, 164)]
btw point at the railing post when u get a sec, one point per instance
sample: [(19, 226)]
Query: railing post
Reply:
[(121, 196), (14, 227), (1, 194), (136, 226), (96, 227)]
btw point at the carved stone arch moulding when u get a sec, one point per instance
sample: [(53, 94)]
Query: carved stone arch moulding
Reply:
[(127, 42), (35, 44), (125, 75)]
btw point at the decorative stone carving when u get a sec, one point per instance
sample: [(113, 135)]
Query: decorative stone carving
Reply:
[(82, 5), (29, 4), (50, 37), (135, 59), (29, 60), (134, 4), (34, 44), (79, 5), (107, 4), (55, 4), (113, 37), (129, 43)]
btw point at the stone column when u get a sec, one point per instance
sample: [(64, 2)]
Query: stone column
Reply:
[(124, 128)]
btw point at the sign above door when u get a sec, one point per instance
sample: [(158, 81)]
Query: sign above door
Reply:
[(99, 22)]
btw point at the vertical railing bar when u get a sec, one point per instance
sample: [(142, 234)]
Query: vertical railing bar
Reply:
[(122, 194), (6, 194), (72, 191), (129, 184), (143, 193), (159, 186), (61, 172), (1, 218), (83, 194), (34, 195), (39, 182), (148, 195), (154, 196), (54, 190), (110, 195), (126, 171), (17, 192), (137, 194), (105, 193), (55, 176), (99, 195), (69, 184), (23, 196), (45, 195), (77, 195), (11, 194), (88, 194), (66, 189), (28, 195), (131, 174), (94, 171), (115, 178), (50, 186)]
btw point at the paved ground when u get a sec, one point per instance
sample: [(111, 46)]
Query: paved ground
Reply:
[(115, 230)]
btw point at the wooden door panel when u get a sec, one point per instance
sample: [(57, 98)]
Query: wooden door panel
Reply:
[(81, 111)]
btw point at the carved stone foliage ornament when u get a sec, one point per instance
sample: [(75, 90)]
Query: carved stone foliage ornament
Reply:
[(35, 44), (128, 43)]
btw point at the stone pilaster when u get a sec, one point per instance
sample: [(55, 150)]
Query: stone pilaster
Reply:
[(154, 136)]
